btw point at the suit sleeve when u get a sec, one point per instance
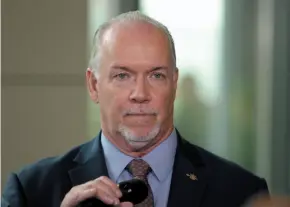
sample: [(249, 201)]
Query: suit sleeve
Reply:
[(13, 194), (263, 187)]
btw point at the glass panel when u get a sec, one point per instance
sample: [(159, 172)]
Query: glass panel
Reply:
[(197, 32)]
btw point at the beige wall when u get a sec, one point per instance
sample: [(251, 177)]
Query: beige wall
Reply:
[(44, 52)]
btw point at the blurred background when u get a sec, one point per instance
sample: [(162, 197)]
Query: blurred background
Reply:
[(234, 88)]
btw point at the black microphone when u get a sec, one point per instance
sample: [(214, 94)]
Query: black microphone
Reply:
[(134, 191)]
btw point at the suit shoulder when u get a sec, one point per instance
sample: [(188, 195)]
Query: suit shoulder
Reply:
[(223, 167), (48, 169)]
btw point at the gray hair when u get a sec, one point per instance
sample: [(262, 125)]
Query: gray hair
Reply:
[(125, 17)]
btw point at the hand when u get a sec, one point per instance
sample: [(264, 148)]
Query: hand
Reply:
[(273, 201), (101, 188)]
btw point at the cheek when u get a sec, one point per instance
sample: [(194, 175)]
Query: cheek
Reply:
[(164, 102), (115, 104)]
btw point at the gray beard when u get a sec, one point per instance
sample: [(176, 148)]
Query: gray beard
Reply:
[(139, 142)]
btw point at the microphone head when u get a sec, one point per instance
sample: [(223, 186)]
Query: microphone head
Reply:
[(134, 191)]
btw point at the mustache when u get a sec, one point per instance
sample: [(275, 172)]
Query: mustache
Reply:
[(138, 111)]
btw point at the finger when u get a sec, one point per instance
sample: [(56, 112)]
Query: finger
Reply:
[(125, 204), (102, 188), (106, 194), (76, 196), (88, 185), (113, 186), (102, 183)]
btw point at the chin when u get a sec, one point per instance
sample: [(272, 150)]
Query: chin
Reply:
[(139, 136), (139, 146), (140, 131)]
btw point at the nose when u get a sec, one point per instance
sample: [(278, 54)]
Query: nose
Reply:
[(141, 93)]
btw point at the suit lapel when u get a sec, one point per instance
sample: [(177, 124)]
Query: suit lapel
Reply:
[(189, 178), (90, 163), (184, 189)]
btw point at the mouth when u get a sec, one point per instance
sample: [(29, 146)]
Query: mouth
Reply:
[(140, 114), (140, 118)]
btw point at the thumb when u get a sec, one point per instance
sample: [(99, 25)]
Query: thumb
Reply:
[(126, 204)]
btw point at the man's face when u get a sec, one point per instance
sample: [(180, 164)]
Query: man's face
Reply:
[(136, 83)]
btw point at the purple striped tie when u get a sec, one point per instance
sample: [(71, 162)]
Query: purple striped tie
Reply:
[(140, 169)]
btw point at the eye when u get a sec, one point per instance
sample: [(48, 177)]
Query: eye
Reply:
[(122, 76), (157, 75)]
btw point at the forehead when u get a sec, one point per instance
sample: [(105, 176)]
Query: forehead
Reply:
[(135, 28), (136, 41)]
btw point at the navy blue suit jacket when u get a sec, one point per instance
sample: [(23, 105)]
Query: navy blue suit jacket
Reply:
[(219, 182)]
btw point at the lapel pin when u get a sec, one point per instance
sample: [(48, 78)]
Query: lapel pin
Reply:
[(192, 176)]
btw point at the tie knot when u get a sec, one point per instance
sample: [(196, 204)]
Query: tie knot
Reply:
[(139, 168)]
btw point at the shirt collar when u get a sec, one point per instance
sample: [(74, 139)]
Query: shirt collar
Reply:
[(164, 153), (116, 160), (161, 159)]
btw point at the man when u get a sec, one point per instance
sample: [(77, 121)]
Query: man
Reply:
[(133, 76)]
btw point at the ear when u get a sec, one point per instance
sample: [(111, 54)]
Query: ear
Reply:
[(175, 81), (92, 85), (175, 77)]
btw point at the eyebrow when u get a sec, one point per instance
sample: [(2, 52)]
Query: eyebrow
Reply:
[(119, 67)]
